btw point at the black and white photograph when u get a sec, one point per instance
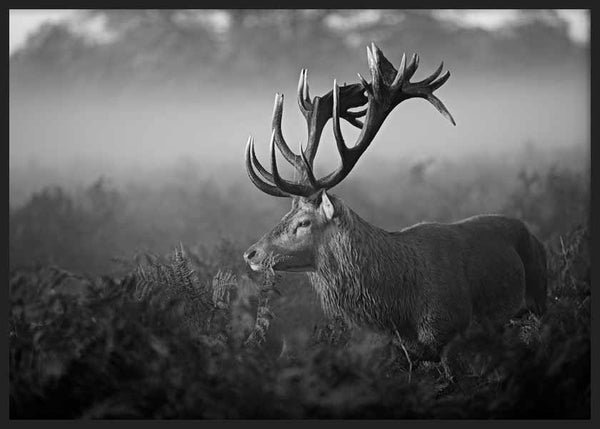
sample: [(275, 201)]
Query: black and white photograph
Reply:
[(239, 214)]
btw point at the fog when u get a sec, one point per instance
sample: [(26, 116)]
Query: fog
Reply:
[(78, 139), (75, 115)]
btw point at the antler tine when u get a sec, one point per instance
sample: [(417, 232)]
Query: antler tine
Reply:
[(374, 66), (303, 97), (411, 68), (433, 76), (289, 155), (308, 169), (337, 130), (401, 72), (435, 85), (351, 117), (315, 122), (305, 91), (256, 164), (260, 184), (288, 187), (366, 85), (437, 103)]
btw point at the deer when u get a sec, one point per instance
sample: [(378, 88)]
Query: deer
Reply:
[(426, 283)]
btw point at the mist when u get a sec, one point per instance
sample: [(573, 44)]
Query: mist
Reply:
[(69, 139), (66, 128)]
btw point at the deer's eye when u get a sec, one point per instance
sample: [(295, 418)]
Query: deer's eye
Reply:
[(303, 224)]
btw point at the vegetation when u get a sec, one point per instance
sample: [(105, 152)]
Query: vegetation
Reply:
[(188, 48), (192, 334)]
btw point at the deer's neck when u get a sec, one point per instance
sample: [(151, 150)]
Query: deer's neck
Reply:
[(366, 274)]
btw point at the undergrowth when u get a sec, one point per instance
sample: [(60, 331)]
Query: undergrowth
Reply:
[(177, 337)]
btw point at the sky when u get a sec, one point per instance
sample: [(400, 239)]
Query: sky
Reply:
[(24, 22), (578, 20)]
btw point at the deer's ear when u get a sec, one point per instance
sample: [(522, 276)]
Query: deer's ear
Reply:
[(326, 206)]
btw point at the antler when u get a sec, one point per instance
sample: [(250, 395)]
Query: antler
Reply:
[(316, 112), (389, 87)]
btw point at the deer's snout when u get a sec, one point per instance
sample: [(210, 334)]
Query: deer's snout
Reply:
[(249, 254), (252, 256)]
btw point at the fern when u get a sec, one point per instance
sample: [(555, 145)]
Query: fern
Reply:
[(207, 305)]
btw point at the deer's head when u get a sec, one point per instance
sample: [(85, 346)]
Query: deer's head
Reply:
[(292, 244)]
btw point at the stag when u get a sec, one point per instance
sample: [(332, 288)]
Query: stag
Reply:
[(425, 283)]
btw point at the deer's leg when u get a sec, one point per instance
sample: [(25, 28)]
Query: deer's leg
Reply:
[(437, 334), (453, 365), (421, 352)]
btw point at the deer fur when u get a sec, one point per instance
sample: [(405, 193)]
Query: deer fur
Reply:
[(429, 281)]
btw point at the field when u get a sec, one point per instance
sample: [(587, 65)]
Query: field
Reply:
[(134, 302)]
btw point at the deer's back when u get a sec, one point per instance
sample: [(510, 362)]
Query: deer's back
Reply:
[(473, 267)]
